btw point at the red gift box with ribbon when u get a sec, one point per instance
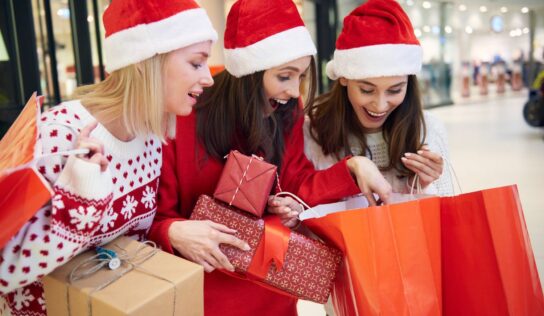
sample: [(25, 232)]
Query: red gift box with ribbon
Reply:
[(279, 259), (246, 182)]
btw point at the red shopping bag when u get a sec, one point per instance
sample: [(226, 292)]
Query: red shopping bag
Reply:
[(23, 188), (392, 260), (488, 266)]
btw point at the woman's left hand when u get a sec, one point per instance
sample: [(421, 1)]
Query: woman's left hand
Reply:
[(286, 208), (426, 164)]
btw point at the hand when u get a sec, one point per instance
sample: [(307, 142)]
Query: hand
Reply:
[(95, 147), (427, 165), (199, 242), (287, 209), (369, 179)]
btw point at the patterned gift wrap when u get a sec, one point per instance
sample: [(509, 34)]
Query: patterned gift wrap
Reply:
[(309, 266)]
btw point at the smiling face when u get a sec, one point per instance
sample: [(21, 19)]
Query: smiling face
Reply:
[(186, 75), (282, 83), (374, 99)]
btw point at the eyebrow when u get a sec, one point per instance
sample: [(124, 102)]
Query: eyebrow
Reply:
[(204, 54), (290, 68), (371, 84)]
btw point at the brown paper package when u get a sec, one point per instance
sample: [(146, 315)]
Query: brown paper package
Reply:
[(136, 293)]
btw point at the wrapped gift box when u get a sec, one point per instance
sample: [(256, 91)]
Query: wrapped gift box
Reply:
[(161, 285), (246, 182), (309, 266)]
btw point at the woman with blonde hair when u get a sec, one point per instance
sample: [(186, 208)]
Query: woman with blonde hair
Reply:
[(156, 54)]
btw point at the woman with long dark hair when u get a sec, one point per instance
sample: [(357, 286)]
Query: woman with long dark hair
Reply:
[(374, 108), (254, 108)]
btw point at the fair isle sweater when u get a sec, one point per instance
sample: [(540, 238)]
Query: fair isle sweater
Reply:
[(436, 139), (89, 207)]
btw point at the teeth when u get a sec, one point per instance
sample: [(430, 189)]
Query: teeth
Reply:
[(281, 101), (194, 95), (376, 114)]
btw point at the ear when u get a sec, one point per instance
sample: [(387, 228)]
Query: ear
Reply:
[(343, 81)]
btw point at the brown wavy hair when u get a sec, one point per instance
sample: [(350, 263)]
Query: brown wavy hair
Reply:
[(332, 120), (230, 116)]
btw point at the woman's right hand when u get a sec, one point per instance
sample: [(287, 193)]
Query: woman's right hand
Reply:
[(369, 179), (95, 147), (199, 242)]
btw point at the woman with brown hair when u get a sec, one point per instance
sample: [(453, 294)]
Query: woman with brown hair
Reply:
[(374, 108), (253, 108)]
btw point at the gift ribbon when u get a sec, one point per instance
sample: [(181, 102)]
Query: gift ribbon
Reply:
[(272, 247), (105, 257)]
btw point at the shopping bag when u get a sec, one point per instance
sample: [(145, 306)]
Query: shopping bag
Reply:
[(487, 259), (246, 182), (24, 190), (392, 262)]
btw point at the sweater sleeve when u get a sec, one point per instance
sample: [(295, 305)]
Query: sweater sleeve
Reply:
[(437, 140), (168, 199), (63, 227), (314, 187)]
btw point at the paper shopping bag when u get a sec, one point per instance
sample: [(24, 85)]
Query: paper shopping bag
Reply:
[(24, 190), (487, 260), (392, 260)]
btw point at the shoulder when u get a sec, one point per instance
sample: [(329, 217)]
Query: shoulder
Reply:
[(70, 115), (433, 123)]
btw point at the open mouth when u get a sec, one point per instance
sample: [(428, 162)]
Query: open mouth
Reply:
[(194, 95), (375, 115), (274, 103)]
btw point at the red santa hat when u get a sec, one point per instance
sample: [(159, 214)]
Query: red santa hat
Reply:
[(262, 34), (377, 40), (139, 29)]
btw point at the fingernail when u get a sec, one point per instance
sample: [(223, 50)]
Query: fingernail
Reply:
[(407, 154), (420, 152), (403, 159), (246, 247), (231, 269)]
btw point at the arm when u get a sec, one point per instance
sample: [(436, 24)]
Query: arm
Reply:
[(62, 228), (349, 176)]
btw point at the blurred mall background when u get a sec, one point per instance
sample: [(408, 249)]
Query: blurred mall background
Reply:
[(51, 46), (480, 59)]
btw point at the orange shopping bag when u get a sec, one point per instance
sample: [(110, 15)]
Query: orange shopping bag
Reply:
[(23, 188), (392, 260), (487, 260)]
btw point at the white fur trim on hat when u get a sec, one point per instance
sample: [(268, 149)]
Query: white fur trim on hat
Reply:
[(270, 52), (375, 61), (147, 40)]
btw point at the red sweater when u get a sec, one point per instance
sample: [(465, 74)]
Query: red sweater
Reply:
[(184, 179)]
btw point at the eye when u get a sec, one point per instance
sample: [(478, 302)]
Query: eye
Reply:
[(366, 91), (283, 78), (196, 66), (394, 91)]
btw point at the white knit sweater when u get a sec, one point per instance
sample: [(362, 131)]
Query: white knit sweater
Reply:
[(436, 139)]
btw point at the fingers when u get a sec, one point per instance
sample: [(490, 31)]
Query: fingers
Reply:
[(423, 164), (207, 267), (233, 241), (222, 228), (218, 259)]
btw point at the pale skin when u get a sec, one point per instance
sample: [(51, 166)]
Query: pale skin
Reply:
[(373, 100), (283, 83)]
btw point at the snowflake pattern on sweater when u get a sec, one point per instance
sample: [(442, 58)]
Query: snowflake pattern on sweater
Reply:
[(89, 207)]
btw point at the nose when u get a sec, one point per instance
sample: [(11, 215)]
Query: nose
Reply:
[(381, 103), (207, 79), (293, 90)]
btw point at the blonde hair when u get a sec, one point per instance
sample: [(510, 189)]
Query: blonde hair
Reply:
[(133, 94)]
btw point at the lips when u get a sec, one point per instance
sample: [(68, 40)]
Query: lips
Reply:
[(375, 116)]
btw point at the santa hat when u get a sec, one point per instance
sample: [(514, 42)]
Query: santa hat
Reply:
[(377, 40), (262, 34), (139, 29)]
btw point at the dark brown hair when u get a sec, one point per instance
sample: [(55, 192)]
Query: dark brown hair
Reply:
[(230, 116), (332, 120)]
